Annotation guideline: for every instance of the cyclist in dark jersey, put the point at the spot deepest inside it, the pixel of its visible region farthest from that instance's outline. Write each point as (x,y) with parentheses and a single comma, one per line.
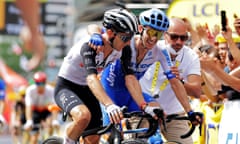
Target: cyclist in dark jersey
(78,89)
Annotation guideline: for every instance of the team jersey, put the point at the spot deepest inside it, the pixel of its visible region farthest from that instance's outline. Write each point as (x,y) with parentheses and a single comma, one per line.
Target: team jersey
(83,60)
(155,83)
(33,98)
(113,75)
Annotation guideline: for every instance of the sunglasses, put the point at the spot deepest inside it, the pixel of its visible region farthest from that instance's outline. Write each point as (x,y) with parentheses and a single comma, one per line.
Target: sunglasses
(125,38)
(40,83)
(175,37)
(152,33)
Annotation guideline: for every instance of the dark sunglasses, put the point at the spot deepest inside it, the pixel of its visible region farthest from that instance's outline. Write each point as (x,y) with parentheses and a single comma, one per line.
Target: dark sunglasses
(125,38)
(40,83)
(175,37)
(151,33)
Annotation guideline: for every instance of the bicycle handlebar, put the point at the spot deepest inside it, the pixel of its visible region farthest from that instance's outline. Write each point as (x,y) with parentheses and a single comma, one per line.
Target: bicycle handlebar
(153,123)
(191,130)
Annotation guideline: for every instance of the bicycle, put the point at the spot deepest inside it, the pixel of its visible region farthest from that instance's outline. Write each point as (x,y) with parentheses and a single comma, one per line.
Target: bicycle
(142,135)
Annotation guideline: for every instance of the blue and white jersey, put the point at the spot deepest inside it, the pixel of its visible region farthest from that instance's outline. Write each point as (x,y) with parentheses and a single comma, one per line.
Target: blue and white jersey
(113,75)
(153,55)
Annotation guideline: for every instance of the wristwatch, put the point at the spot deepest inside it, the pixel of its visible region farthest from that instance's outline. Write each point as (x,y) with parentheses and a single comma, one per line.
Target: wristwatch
(182,81)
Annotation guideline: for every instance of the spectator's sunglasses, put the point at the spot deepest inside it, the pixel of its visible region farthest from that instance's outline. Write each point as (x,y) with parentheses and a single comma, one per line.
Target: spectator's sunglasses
(152,32)
(175,37)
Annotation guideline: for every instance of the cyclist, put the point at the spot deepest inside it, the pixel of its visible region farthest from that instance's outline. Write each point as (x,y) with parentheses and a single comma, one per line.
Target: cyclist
(78,89)
(2,103)
(38,96)
(18,118)
(144,53)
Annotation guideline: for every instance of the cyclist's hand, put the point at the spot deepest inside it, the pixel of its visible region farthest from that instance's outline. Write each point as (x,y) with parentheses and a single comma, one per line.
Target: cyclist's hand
(55,123)
(96,41)
(28,125)
(114,113)
(195,117)
(150,110)
(2,119)
(2,123)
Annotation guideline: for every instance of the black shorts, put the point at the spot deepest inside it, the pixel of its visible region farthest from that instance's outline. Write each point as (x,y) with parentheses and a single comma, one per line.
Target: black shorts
(37,117)
(68,95)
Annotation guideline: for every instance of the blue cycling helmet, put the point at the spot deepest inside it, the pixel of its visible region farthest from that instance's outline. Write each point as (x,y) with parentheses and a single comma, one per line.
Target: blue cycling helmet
(154,18)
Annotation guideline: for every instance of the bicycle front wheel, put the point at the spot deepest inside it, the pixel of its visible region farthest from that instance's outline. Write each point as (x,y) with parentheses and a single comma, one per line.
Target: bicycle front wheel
(53,140)
(134,141)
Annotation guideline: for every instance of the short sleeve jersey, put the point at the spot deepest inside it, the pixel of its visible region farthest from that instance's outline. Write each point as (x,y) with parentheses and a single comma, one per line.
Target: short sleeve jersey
(33,98)
(82,60)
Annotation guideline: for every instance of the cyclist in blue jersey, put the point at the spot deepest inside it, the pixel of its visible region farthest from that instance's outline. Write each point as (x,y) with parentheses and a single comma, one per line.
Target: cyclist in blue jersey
(144,53)
(2,102)
(78,89)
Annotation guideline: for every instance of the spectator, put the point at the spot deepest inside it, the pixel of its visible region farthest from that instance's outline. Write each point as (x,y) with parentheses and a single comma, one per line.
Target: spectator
(229,127)
(186,68)
(18,118)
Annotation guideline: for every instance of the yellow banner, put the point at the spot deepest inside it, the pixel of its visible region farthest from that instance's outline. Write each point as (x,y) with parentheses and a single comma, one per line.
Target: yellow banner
(2,14)
(204,11)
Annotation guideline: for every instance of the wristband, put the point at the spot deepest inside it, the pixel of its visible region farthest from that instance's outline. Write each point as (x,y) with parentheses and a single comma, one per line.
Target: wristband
(143,105)
(169,75)
(190,113)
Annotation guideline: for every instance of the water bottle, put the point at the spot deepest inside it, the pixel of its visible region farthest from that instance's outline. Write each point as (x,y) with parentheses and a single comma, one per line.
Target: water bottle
(156,138)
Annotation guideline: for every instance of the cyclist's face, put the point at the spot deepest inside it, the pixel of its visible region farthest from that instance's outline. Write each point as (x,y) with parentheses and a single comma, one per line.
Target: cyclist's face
(40,87)
(121,40)
(150,36)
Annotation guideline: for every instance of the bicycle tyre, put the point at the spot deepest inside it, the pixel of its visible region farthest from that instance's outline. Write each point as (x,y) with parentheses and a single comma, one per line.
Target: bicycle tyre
(134,141)
(53,140)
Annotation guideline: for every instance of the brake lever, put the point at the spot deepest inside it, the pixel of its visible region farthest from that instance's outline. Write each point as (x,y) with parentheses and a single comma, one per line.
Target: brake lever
(160,115)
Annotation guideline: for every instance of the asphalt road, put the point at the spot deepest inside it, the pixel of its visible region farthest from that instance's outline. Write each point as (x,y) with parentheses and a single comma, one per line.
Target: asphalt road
(5,139)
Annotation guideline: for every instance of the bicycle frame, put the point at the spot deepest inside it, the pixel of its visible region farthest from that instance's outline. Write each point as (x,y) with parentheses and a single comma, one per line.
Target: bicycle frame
(117,131)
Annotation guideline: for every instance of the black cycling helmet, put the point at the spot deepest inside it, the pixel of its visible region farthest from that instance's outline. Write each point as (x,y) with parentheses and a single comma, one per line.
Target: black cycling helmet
(120,20)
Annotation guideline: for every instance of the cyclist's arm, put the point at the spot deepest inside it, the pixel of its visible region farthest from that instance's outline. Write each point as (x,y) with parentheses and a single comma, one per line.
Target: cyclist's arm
(131,81)
(2,103)
(2,95)
(28,105)
(92,78)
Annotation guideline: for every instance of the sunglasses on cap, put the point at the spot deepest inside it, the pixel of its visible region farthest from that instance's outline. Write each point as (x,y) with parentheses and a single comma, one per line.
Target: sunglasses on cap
(125,38)
(152,32)
(175,37)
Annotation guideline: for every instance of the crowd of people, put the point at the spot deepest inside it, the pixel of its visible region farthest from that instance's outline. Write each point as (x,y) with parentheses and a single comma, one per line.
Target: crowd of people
(153,62)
